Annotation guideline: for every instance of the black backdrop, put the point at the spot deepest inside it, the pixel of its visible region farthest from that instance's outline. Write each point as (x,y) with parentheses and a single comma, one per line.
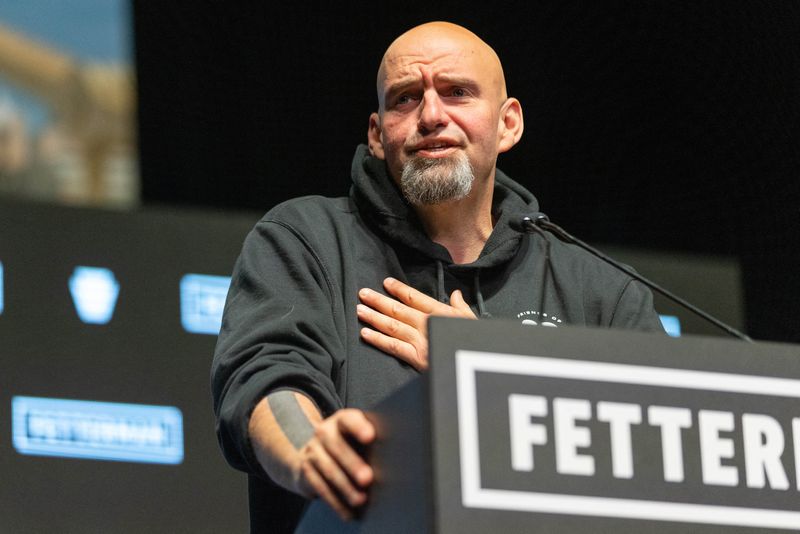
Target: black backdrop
(667,125)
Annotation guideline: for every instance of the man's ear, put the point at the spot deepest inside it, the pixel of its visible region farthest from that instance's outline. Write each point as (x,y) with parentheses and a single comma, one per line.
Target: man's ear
(374,136)
(510,127)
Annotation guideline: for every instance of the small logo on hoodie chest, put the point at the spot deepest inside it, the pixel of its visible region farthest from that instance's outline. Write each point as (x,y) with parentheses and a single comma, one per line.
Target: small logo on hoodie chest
(536,318)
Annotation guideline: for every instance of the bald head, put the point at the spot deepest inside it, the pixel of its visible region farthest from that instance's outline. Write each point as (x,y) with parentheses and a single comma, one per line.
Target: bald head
(436,42)
(442,102)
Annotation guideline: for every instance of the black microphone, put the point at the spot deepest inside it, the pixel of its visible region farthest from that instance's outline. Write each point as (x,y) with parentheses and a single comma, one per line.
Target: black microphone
(528,222)
(538,222)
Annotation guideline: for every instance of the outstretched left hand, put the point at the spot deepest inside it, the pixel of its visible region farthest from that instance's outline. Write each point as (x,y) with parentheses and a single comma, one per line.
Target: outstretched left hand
(401,323)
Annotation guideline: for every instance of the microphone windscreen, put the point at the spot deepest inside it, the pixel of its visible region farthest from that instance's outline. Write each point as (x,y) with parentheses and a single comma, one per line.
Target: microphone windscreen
(524,221)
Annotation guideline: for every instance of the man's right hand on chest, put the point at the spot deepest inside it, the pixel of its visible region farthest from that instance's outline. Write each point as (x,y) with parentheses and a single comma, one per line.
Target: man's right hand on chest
(400,322)
(312,456)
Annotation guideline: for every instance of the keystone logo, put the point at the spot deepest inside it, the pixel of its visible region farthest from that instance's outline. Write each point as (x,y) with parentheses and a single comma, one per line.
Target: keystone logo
(94,292)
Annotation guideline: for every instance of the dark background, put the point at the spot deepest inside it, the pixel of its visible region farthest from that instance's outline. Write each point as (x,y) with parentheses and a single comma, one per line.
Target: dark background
(142,356)
(669,125)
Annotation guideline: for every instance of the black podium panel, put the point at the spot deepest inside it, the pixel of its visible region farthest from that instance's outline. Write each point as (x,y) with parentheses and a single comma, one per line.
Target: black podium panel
(534,429)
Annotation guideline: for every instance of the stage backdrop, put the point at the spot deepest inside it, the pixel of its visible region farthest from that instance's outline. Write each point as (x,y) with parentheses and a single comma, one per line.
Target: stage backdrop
(120,312)
(669,125)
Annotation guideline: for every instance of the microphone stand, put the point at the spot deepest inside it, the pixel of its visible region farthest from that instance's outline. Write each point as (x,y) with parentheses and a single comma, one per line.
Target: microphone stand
(540,221)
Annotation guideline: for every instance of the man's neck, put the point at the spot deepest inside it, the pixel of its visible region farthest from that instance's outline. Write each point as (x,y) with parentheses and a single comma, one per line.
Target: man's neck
(462,226)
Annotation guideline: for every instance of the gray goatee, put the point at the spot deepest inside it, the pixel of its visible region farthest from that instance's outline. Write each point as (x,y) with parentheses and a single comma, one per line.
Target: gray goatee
(428,181)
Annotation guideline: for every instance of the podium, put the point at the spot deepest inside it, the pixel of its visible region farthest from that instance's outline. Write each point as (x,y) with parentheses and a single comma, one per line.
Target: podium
(521,428)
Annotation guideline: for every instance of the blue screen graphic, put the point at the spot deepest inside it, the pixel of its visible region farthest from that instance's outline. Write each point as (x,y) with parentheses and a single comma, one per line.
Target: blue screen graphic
(202,301)
(671,324)
(97,430)
(94,292)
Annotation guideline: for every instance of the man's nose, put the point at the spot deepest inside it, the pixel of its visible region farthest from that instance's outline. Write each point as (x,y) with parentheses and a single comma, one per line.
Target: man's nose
(432,114)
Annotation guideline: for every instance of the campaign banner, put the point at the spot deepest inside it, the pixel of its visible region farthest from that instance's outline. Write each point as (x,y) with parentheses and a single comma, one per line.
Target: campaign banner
(604,439)
(563,430)
(97,430)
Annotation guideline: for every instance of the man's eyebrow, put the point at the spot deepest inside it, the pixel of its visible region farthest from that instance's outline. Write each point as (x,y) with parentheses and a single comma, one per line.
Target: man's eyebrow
(457,80)
(404,85)
(399,87)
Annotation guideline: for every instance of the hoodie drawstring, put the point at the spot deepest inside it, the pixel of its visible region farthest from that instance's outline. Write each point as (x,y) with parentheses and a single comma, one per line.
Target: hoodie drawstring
(479,296)
(441,292)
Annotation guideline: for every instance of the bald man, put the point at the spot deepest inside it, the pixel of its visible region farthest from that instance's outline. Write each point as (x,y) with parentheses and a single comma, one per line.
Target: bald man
(329,299)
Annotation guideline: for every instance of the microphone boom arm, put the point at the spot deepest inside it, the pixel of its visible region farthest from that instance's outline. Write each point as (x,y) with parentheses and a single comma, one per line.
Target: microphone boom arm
(541,221)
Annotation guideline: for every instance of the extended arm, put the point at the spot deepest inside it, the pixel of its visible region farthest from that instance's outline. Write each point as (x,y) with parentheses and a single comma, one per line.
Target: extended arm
(281,331)
(309,455)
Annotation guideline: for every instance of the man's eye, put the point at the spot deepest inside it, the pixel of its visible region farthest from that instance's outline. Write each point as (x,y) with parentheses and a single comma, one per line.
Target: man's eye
(459,91)
(403,99)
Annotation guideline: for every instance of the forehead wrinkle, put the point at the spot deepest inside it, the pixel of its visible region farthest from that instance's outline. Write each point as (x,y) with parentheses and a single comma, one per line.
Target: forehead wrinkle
(403,62)
(420,46)
(406,69)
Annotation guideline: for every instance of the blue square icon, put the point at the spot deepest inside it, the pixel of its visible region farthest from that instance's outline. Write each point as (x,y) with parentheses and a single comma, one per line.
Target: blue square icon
(202,302)
(671,324)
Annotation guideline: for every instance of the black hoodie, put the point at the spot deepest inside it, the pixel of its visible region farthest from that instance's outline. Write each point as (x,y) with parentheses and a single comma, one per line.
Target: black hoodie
(290,318)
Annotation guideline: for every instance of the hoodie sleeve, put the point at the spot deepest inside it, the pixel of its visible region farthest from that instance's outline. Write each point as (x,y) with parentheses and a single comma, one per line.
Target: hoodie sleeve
(279,331)
(634,309)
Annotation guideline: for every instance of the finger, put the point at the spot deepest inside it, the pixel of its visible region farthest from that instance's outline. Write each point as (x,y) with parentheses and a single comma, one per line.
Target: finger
(355,423)
(329,467)
(457,301)
(333,436)
(391,307)
(390,326)
(403,351)
(410,296)
(420,301)
(324,491)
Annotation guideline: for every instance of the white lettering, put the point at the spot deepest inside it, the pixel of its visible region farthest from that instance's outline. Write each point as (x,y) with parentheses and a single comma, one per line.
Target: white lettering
(796,442)
(672,421)
(763,447)
(620,416)
(569,437)
(713,449)
(763,440)
(524,433)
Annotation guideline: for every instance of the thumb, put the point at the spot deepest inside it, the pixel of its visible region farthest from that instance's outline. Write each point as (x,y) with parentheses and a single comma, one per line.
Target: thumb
(457,301)
(355,423)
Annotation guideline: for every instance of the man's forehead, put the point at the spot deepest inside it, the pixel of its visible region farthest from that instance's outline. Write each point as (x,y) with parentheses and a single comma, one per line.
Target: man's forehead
(434,48)
(408,65)
(435,42)
(446,49)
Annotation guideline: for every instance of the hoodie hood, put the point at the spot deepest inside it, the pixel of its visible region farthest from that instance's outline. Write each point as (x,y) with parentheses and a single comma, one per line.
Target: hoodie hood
(380,199)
